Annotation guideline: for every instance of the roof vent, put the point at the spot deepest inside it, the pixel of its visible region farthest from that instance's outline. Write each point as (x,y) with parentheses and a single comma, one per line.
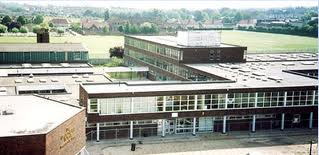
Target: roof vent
(54,80)
(30,80)
(85,76)
(43,80)
(75,76)
(18,81)
(7,112)
(288,63)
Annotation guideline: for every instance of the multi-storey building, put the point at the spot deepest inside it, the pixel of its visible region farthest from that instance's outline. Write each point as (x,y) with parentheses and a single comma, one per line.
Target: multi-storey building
(166,55)
(268,91)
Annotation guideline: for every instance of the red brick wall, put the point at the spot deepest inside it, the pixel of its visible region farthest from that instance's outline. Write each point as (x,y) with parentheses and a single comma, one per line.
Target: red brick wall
(21,145)
(59,141)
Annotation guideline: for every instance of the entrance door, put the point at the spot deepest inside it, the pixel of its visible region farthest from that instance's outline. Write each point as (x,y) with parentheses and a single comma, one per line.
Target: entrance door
(170,126)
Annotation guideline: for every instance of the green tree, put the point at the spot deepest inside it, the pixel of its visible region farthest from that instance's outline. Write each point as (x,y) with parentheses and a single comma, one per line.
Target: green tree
(22,20)
(238,17)
(36,28)
(120,28)
(15,30)
(76,27)
(23,30)
(106,15)
(199,16)
(3,28)
(38,19)
(6,20)
(60,32)
(115,62)
(105,29)
(51,25)
(44,25)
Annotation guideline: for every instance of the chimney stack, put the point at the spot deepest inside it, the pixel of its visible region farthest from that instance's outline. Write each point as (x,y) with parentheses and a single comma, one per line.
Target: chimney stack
(43,36)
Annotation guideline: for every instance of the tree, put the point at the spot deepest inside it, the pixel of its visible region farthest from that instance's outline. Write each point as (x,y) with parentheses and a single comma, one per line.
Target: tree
(36,28)
(22,20)
(115,62)
(76,27)
(60,32)
(15,30)
(116,52)
(199,16)
(106,15)
(51,25)
(105,29)
(238,17)
(38,19)
(3,28)
(44,25)
(14,25)
(120,28)
(6,20)
(23,30)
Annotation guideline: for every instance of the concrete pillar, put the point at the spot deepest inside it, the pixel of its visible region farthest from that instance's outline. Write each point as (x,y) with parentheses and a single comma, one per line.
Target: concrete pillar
(256,99)
(282,127)
(224,124)
(313,97)
(163,127)
(310,120)
(194,126)
(97,132)
(164,103)
(253,127)
(131,130)
(285,99)
(132,105)
(226,101)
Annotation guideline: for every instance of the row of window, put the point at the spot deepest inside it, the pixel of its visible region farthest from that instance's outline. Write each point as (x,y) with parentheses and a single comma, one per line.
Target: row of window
(155,48)
(18,57)
(177,70)
(110,106)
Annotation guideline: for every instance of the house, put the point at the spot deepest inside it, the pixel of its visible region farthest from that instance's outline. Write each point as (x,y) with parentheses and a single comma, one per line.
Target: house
(247,23)
(210,24)
(92,26)
(115,24)
(60,23)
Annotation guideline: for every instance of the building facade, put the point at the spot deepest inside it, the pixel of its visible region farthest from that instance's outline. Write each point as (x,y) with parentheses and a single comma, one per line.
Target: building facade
(166,58)
(43,53)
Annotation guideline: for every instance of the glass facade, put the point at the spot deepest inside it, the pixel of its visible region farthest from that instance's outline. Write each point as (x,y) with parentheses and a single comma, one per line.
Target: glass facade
(169,67)
(169,52)
(38,57)
(127,105)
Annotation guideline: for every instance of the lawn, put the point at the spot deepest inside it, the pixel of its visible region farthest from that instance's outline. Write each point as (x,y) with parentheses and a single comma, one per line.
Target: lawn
(255,41)
(269,42)
(98,45)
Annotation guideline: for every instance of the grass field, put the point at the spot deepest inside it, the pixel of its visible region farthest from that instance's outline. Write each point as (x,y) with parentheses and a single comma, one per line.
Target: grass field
(255,41)
(269,42)
(97,45)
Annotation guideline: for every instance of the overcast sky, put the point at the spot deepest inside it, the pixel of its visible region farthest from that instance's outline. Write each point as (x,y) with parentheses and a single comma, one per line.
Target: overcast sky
(171,4)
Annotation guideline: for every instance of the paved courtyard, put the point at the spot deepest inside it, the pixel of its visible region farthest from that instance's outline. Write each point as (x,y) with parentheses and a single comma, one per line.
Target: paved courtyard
(290,142)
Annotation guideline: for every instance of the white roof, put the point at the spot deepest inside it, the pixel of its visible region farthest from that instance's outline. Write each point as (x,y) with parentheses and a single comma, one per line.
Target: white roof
(32,115)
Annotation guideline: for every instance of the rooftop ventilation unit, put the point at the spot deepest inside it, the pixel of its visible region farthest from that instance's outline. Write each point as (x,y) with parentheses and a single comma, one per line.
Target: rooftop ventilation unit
(308,62)
(288,63)
(25,65)
(30,80)
(54,80)
(258,73)
(7,112)
(65,64)
(85,75)
(46,65)
(75,76)
(245,70)
(78,80)
(199,38)
(89,80)
(42,80)
(18,81)
(276,78)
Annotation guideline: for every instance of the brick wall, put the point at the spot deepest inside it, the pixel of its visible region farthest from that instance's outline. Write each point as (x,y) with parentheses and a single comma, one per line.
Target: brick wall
(20,145)
(68,138)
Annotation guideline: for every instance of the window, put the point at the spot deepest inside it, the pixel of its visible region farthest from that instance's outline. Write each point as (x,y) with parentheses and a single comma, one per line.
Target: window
(93,106)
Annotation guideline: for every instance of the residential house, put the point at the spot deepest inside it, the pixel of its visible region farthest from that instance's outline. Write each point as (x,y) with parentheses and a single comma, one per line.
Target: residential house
(92,26)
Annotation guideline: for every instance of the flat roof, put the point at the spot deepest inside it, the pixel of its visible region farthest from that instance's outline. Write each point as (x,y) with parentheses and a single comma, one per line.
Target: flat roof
(281,57)
(44,65)
(42,47)
(32,115)
(249,75)
(172,41)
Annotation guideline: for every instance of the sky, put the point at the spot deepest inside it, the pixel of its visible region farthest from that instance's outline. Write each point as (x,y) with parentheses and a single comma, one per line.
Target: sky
(172,4)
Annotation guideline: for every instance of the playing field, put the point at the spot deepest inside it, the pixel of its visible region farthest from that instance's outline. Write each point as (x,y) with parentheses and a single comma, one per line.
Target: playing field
(98,45)
(269,42)
(255,41)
